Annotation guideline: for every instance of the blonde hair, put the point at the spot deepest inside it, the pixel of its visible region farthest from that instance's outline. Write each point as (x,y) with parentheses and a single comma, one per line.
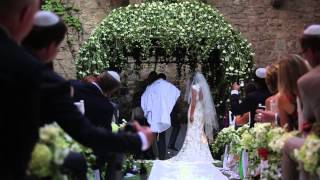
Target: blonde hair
(272,77)
(290,70)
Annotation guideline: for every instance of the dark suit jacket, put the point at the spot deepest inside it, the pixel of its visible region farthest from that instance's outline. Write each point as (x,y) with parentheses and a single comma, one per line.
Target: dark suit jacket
(20,78)
(250,103)
(57,105)
(98,108)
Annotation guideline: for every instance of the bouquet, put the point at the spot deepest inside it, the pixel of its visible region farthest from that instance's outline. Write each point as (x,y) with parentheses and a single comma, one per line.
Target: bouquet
(225,136)
(49,153)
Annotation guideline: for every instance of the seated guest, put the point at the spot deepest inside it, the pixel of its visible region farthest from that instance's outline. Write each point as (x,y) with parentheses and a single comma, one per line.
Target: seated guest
(308,86)
(290,70)
(56,102)
(252,99)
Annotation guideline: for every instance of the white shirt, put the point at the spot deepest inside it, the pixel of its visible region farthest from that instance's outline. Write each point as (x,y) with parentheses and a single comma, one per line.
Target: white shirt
(157,103)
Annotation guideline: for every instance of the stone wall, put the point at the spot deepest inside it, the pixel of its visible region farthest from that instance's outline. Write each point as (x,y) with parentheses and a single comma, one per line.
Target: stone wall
(273,32)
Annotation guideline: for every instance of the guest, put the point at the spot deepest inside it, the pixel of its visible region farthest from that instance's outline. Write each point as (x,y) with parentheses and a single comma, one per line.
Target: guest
(96,95)
(20,109)
(308,86)
(290,70)
(252,99)
(244,118)
(57,105)
(270,114)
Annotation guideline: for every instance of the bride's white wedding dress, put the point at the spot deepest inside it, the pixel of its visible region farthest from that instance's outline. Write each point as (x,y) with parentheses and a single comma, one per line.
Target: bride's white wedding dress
(194,161)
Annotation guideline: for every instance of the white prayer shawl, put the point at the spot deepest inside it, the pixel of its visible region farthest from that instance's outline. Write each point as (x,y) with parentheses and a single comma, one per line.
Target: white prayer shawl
(157,103)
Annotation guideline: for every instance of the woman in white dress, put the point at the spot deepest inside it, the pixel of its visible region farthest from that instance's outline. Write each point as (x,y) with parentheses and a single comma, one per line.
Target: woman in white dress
(194,161)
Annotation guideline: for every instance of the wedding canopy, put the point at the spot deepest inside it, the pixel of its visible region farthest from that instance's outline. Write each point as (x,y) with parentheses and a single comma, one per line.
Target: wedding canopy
(186,33)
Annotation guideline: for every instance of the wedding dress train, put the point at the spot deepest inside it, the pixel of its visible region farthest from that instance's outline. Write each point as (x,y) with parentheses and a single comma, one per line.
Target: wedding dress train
(194,161)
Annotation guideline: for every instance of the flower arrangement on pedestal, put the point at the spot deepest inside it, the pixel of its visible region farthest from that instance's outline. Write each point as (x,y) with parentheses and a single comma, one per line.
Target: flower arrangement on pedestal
(49,153)
(309,154)
(264,145)
(53,147)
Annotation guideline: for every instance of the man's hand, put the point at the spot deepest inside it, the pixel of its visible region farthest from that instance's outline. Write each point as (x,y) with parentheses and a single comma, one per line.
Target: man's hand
(235,86)
(146,131)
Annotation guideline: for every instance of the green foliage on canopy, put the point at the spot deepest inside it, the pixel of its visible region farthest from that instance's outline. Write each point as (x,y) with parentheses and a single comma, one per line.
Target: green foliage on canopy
(190,30)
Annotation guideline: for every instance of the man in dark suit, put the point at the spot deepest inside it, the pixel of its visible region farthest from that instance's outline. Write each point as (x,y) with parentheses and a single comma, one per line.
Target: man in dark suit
(100,110)
(56,104)
(252,99)
(98,107)
(20,79)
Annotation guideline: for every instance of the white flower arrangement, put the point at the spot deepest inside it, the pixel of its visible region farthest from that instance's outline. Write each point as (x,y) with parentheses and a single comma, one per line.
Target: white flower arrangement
(309,154)
(144,29)
(278,137)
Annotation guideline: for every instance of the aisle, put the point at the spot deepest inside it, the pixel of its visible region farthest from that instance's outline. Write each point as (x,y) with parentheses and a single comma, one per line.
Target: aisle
(181,170)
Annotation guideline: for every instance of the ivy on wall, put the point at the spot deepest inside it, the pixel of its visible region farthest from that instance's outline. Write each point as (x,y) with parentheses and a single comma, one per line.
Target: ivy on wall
(65,11)
(70,15)
(191,32)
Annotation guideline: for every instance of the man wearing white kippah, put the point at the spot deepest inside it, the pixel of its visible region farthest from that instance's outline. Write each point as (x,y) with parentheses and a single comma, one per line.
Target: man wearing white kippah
(20,77)
(57,104)
(309,87)
(246,110)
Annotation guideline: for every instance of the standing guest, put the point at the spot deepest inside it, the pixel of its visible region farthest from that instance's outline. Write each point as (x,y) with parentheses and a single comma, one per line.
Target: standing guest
(290,70)
(271,112)
(252,99)
(308,86)
(100,110)
(57,105)
(20,111)
(98,107)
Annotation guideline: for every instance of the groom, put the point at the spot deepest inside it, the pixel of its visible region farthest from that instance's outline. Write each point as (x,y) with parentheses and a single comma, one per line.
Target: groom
(157,103)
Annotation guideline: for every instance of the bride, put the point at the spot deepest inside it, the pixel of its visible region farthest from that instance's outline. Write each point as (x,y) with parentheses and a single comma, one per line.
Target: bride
(194,161)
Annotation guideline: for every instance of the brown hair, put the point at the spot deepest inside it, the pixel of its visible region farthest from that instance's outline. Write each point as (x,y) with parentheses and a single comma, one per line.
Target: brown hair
(107,82)
(290,70)
(272,77)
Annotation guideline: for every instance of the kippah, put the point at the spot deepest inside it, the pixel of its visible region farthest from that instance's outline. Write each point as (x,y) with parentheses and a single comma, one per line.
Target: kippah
(261,72)
(313,30)
(115,75)
(45,18)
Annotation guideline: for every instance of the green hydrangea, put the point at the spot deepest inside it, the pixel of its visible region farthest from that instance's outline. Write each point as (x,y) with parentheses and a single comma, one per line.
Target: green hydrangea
(40,164)
(309,154)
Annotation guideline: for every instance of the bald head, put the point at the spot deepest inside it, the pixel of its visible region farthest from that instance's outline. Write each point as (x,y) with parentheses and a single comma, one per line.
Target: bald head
(17,16)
